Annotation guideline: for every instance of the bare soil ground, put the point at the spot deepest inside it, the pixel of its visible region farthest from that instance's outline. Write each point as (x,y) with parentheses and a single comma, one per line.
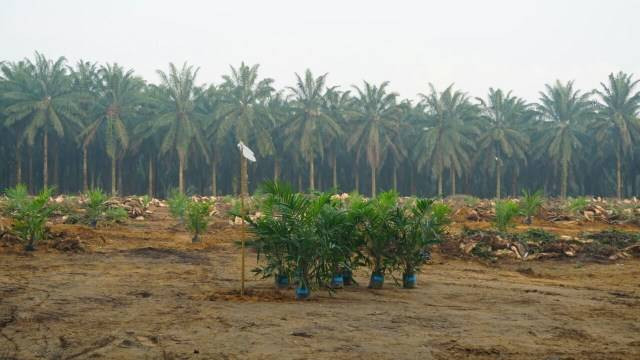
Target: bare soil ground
(144,291)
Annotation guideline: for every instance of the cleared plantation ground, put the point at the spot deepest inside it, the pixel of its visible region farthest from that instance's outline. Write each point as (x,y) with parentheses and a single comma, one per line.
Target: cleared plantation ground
(143,290)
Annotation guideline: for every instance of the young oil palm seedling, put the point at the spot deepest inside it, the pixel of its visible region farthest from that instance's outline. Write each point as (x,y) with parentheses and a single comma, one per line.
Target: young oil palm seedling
(506,211)
(577,205)
(178,205)
(530,205)
(324,244)
(29,215)
(97,209)
(95,206)
(271,247)
(417,227)
(303,254)
(335,232)
(145,200)
(17,197)
(281,235)
(356,210)
(115,214)
(197,218)
(375,235)
(300,237)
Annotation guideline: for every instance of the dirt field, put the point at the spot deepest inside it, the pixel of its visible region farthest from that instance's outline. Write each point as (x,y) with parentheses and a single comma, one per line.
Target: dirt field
(144,291)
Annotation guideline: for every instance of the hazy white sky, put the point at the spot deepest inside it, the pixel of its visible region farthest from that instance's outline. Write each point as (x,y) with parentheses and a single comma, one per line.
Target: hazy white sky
(518,45)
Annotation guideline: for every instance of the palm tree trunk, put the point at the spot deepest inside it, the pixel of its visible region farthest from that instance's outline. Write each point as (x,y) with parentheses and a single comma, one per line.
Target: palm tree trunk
(150,184)
(453,182)
(113,176)
(18,165)
(395,177)
(276,170)
(373,180)
(85,170)
(334,164)
(299,183)
(618,176)
(45,165)
(244,177)
(498,179)
(214,182)
(412,184)
(311,176)
(357,180)
(56,157)
(440,183)
(565,179)
(514,184)
(30,169)
(181,173)
(120,187)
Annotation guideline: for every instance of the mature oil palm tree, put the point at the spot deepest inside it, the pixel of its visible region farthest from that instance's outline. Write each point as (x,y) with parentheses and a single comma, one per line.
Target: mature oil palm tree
(278,111)
(565,112)
(208,102)
(119,97)
(10,143)
(407,113)
(85,82)
(244,116)
(339,107)
(501,140)
(10,73)
(311,127)
(145,146)
(446,141)
(375,125)
(41,101)
(618,123)
(414,122)
(146,149)
(177,119)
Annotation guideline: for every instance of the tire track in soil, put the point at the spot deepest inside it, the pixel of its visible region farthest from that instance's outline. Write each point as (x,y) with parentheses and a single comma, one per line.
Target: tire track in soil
(30,310)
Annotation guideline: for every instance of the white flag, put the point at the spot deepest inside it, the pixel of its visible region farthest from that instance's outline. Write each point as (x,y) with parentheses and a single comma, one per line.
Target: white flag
(246,152)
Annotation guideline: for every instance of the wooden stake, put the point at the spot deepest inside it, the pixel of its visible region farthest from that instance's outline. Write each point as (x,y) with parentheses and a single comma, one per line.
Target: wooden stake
(242,247)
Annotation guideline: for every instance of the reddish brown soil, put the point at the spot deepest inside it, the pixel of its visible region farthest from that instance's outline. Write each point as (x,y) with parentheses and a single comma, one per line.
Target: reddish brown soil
(143,290)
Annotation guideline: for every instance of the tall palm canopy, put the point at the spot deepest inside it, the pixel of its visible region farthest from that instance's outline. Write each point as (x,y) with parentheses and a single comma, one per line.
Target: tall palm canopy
(447,138)
(310,127)
(98,125)
(41,102)
(177,120)
(501,139)
(243,115)
(618,126)
(119,96)
(339,107)
(375,125)
(565,113)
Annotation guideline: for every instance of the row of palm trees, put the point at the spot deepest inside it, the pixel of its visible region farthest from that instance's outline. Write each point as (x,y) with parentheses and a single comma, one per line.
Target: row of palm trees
(94,117)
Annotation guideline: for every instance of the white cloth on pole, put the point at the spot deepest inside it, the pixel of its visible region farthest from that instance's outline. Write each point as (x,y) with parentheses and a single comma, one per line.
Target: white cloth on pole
(246,152)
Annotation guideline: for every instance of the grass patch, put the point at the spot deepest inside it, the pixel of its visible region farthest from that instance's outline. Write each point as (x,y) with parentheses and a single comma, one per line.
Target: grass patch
(614,238)
(537,235)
